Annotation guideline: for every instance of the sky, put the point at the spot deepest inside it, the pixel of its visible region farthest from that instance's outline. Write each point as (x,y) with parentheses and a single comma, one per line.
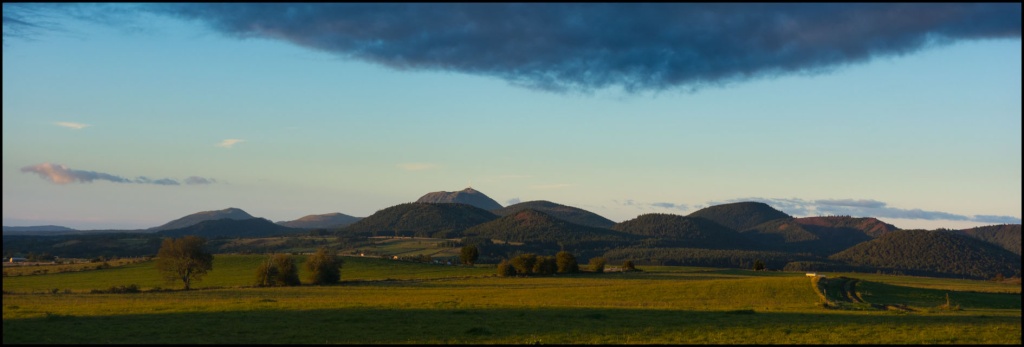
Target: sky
(127,116)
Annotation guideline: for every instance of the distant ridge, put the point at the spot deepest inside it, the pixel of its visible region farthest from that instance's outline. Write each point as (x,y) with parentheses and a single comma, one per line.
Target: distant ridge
(38,228)
(468,196)
(563,212)
(326,221)
(192,219)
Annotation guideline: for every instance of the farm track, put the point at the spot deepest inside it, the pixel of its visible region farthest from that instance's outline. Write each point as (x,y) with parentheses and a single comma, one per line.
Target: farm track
(849,293)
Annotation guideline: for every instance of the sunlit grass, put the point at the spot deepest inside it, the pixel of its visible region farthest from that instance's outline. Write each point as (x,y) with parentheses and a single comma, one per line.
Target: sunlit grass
(384,301)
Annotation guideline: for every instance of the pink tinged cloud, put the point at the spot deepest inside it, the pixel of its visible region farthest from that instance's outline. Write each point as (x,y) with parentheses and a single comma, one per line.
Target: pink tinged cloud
(60,174)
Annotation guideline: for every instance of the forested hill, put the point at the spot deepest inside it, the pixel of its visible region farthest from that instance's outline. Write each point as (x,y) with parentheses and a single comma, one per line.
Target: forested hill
(925,252)
(326,221)
(421,219)
(530,226)
(1005,235)
(790,235)
(252,227)
(740,216)
(679,231)
(563,212)
(869,226)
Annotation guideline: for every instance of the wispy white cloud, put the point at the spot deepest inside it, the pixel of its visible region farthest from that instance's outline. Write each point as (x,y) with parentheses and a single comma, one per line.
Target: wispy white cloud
(229,143)
(512,201)
(72,125)
(60,174)
(417,166)
(653,205)
(199,180)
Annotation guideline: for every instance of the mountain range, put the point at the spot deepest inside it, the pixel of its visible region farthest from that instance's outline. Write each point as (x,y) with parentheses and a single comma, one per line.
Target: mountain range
(721,235)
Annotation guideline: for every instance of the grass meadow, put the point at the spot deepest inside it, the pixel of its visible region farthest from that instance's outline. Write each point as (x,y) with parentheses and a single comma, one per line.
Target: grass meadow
(391,302)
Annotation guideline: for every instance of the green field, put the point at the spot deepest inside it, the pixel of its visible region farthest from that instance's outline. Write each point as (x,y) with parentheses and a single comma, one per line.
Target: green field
(384,301)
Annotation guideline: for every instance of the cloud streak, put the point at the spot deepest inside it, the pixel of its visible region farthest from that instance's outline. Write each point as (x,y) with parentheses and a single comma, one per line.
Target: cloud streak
(585,47)
(72,125)
(60,174)
(229,143)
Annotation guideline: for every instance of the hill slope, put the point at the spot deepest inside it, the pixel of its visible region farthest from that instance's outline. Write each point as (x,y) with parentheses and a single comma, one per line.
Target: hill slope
(326,221)
(252,227)
(1006,235)
(563,212)
(531,226)
(192,219)
(468,196)
(869,226)
(740,216)
(790,235)
(421,219)
(933,253)
(681,231)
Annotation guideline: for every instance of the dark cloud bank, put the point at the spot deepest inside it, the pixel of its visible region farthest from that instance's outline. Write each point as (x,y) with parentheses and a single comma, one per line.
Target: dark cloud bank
(584,47)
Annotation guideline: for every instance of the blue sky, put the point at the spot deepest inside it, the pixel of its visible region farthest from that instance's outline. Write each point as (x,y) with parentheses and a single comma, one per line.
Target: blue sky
(128,116)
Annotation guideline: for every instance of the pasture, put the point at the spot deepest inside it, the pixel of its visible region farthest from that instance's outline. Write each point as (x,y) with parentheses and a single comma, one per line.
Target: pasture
(383,301)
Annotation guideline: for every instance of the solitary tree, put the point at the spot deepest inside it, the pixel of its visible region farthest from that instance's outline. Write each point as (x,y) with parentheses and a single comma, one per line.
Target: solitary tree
(184,259)
(469,255)
(758,265)
(597,264)
(324,267)
(566,262)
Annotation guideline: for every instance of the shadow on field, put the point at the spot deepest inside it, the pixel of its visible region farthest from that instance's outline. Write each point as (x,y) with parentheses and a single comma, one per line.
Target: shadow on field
(481,325)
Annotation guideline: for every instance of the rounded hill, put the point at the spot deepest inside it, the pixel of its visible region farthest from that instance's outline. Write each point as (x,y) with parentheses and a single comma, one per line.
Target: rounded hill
(934,252)
(563,212)
(192,219)
(329,220)
(531,226)
(683,231)
(421,219)
(252,227)
(468,196)
(740,216)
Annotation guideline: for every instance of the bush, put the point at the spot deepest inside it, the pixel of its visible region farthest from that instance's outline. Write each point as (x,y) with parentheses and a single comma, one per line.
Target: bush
(523,263)
(628,266)
(545,266)
(278,270)
(505,269)
(122,289)
(324,267)
(597,264)
(566,262)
